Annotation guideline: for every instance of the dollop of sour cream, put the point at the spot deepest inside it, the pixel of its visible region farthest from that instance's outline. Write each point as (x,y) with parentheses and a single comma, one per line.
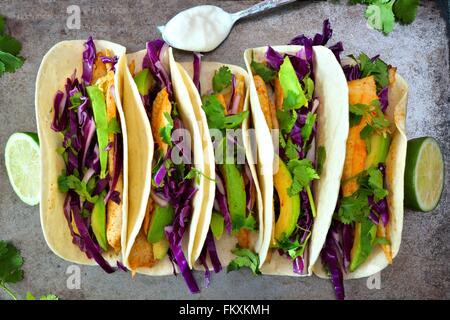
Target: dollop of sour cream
(201,28)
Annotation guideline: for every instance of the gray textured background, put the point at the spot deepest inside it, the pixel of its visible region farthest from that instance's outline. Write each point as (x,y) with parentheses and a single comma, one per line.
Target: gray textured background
(420,51)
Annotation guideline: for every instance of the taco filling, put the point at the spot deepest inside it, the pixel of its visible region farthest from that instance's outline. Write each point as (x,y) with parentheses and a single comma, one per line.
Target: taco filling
(169,208)
(361,220)
(235,196)
(285,88)
(85,114)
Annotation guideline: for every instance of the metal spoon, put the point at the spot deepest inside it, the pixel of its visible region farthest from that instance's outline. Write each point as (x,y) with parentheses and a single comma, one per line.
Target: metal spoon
(198,33)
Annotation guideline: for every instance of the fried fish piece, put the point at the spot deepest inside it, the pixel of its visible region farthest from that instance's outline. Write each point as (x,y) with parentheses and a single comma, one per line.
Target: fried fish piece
(279,95)
(243,237)
(263,99)
(240,90)
(99,68)
(161,105)
(141,255)
(113,210)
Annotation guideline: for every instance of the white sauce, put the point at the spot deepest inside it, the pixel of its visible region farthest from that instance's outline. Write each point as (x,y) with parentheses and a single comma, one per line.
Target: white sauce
(201,28)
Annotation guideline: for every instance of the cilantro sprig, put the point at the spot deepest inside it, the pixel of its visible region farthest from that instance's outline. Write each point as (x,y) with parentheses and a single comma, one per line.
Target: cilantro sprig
(222,79)
(11,263)
(356,208)
(215,114)
(382,14)
(10,49)
(245,258)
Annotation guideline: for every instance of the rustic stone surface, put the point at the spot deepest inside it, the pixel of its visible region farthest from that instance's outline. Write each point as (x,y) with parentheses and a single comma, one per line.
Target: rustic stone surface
(420,51)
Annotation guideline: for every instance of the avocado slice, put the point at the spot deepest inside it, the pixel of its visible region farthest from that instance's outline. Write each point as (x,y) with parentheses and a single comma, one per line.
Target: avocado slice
(98,103)
(144,81)
(98,223)
(378,148)
(236,196)
(289,206)
(162,217)
(365,234)
(160,249)
(217,224)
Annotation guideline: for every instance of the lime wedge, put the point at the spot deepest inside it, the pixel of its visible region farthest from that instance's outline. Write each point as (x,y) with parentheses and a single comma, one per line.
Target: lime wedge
(22,159)
(424,174)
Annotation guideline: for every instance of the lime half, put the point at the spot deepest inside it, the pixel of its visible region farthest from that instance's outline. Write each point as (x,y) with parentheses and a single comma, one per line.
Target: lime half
(424,174)
(22,159)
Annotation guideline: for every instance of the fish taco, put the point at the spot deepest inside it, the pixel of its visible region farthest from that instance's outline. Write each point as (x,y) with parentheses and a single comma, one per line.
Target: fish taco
(171,178)
(298,97)
(232,234)
(83,143)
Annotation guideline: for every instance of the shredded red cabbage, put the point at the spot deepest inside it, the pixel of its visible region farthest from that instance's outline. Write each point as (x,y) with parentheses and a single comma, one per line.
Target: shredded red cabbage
(117,167)
(88,60)
(329,255)
(383,96)
(197,68)
(178,256)
(320,40)
(352,72)
(91,248)
(221,200)
(121,266)
(112,60)
(59,122)
(152,61)
(209,248)
(274,59)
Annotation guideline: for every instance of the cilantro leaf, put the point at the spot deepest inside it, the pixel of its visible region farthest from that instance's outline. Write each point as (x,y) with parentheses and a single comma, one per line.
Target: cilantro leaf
(10,264)
(245,258)
(405,10)
(216,117)
(195,173)
(291,150)
(10,45)
(308,126)
(358,109)
(380,16)
(309,87)
(66,183)
(286,120)
(377,68)
(9,50)
(11,62)
(375,182)
(321,157)
(366,132)
(303,173)
(222,79)
(239,222)
(266,73)
(293,248)
(354,208)
(166,132)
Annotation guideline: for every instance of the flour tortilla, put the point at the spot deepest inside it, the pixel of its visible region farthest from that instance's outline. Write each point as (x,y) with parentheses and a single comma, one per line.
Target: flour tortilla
(139,197)
(332,130)
(395,169)
(57,65)
(227,242)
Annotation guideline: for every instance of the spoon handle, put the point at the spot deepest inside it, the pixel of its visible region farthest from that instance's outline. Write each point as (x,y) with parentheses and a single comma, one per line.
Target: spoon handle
(260,7)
